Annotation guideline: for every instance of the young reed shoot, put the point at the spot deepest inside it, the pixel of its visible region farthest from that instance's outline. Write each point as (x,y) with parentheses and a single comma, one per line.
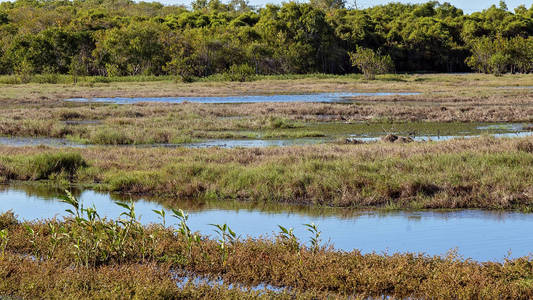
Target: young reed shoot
(315,239)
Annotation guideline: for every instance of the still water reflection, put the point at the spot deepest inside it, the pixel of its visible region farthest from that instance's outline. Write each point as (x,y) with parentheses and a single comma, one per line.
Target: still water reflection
(480,235)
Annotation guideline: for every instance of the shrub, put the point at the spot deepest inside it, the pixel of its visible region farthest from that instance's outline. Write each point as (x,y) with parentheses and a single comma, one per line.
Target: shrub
(24,71)
(52,78)
(7,220)
(498,63)
(240,73)
(371,63)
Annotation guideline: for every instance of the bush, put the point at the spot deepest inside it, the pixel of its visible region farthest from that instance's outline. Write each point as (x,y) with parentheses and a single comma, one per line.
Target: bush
(24,71)
(239,73)
(98,79)
(52,78)
(499,63)
(371,63)
(47,164)
(7,220)
(9,79)
(185,78)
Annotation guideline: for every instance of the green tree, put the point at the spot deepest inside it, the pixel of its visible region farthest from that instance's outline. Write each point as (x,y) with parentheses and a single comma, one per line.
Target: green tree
(134,49)
(78,67)
(499,63)
(370,62)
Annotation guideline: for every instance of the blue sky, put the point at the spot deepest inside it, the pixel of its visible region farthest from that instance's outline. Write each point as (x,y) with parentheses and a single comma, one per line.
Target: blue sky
(467,5)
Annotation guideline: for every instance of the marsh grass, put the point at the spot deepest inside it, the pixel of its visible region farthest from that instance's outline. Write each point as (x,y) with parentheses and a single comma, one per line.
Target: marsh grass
(165,123)
(475,173)
(38,110)
(44,165)
(53,166)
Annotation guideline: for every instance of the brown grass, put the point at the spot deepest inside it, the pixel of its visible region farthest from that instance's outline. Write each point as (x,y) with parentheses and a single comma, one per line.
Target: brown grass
(37,110)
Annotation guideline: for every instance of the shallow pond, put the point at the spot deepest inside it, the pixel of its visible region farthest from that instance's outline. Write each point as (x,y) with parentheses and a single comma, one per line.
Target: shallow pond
(422,131)
(23,141)
(321,97)
(480,235)
(256,143)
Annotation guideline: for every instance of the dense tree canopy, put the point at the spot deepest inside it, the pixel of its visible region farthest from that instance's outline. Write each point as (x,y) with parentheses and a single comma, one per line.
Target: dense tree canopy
(121,37)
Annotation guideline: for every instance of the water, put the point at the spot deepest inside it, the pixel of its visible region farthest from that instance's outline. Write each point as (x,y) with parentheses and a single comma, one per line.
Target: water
(256,143)
(248,143)
(321,97)
(30,141)
(222,143)
(480,235)
(438,138)
(183,280)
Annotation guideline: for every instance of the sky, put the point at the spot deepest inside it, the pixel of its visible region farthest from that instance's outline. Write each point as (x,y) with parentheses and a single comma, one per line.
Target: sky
(468,6)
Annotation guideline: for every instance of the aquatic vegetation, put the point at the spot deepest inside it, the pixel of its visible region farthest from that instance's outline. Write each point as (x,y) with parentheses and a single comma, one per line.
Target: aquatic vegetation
(184,230)
(95,241)
(110,137)
(64,165)
(161,213)
(315,238)
(57,233)
(227,238)
(288,238)
(4,238)
(303,271)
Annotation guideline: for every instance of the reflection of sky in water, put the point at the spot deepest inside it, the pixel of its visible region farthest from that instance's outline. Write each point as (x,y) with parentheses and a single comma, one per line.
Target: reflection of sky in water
(29,141)
(480,235)
(322,97)
(510,130)
(257,143)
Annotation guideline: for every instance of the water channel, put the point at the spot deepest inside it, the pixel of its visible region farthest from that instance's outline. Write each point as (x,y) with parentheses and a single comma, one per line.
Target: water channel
(476,234)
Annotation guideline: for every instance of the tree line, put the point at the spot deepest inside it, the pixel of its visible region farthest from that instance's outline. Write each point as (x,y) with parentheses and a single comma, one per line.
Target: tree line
(122,37)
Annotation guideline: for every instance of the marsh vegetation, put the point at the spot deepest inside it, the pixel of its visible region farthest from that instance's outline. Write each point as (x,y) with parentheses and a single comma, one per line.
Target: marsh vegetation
(372,155)
(171,259)
(83,250)
(474,173)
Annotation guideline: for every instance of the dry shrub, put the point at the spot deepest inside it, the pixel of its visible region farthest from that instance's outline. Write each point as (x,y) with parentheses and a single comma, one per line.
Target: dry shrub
(7,220)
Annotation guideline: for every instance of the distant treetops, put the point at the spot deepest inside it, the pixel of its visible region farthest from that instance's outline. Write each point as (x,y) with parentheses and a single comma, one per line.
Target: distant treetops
(120,37)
